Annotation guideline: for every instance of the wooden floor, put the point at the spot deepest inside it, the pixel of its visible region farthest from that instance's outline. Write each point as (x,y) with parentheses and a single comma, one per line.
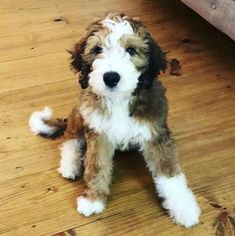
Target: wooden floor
(34,72)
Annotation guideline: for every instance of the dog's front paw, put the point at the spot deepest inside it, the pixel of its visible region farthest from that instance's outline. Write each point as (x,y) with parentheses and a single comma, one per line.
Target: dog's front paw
(179,200)
(186,214)
(89,207)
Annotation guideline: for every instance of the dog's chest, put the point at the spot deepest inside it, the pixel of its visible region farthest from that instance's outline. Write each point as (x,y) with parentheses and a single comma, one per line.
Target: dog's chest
(120,128)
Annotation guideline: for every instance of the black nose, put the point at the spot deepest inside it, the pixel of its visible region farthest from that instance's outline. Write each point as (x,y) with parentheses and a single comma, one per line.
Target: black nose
(111,79)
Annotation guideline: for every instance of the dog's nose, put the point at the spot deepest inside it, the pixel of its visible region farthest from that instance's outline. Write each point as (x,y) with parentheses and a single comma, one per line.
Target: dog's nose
(111,79)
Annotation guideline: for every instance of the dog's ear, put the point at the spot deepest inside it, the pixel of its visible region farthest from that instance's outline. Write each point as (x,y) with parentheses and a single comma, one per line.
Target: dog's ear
(157,58)
(76,55)
(78,64)
(157,63)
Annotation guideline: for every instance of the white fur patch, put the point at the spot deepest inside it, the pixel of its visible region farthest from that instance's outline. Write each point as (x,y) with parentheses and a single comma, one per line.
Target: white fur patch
(178,200)
(37,121)
(87,207)
(70,164)
(117,125)
(118,29)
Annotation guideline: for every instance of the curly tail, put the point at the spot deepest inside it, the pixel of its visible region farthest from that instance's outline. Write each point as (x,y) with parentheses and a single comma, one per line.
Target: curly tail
(41,124)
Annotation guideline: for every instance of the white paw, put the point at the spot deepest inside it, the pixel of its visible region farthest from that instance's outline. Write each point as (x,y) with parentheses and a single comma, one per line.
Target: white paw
(68,173)
(178,200)
(87,207)
(182,212)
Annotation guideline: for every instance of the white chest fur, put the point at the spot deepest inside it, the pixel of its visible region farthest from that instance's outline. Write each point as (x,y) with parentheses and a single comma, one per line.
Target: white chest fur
(120,128)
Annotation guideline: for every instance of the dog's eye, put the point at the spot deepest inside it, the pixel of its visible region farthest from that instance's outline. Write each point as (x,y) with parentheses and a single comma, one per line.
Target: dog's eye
(98,50)
(131,51)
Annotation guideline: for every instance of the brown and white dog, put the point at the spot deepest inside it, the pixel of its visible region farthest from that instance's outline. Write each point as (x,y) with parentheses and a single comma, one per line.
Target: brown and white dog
(121,104)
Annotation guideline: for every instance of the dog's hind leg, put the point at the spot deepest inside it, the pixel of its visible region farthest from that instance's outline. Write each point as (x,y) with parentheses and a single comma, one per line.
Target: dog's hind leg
(73,147)
(170,182)
(71,158)
(97,175)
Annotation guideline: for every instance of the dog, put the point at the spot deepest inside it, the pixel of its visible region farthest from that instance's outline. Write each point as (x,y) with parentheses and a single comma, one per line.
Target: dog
(121,104)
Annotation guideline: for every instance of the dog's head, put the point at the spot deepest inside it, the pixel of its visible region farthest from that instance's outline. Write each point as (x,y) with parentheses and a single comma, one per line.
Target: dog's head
(117,56)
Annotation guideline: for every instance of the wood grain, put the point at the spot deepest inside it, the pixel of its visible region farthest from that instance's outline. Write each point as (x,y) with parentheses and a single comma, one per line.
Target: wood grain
(34,72)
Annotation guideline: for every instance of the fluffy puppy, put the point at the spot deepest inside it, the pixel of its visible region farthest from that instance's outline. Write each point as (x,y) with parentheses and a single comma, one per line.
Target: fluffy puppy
(121,103)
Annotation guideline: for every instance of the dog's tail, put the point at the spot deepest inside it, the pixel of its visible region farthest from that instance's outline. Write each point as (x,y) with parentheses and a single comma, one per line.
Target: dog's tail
(41,124)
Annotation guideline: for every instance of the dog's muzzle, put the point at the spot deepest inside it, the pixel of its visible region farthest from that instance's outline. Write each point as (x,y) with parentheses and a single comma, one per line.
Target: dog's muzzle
(111,79)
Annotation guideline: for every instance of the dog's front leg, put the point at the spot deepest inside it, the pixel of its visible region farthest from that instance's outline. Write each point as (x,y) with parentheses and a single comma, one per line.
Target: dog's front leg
(170,182)
(97,175)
